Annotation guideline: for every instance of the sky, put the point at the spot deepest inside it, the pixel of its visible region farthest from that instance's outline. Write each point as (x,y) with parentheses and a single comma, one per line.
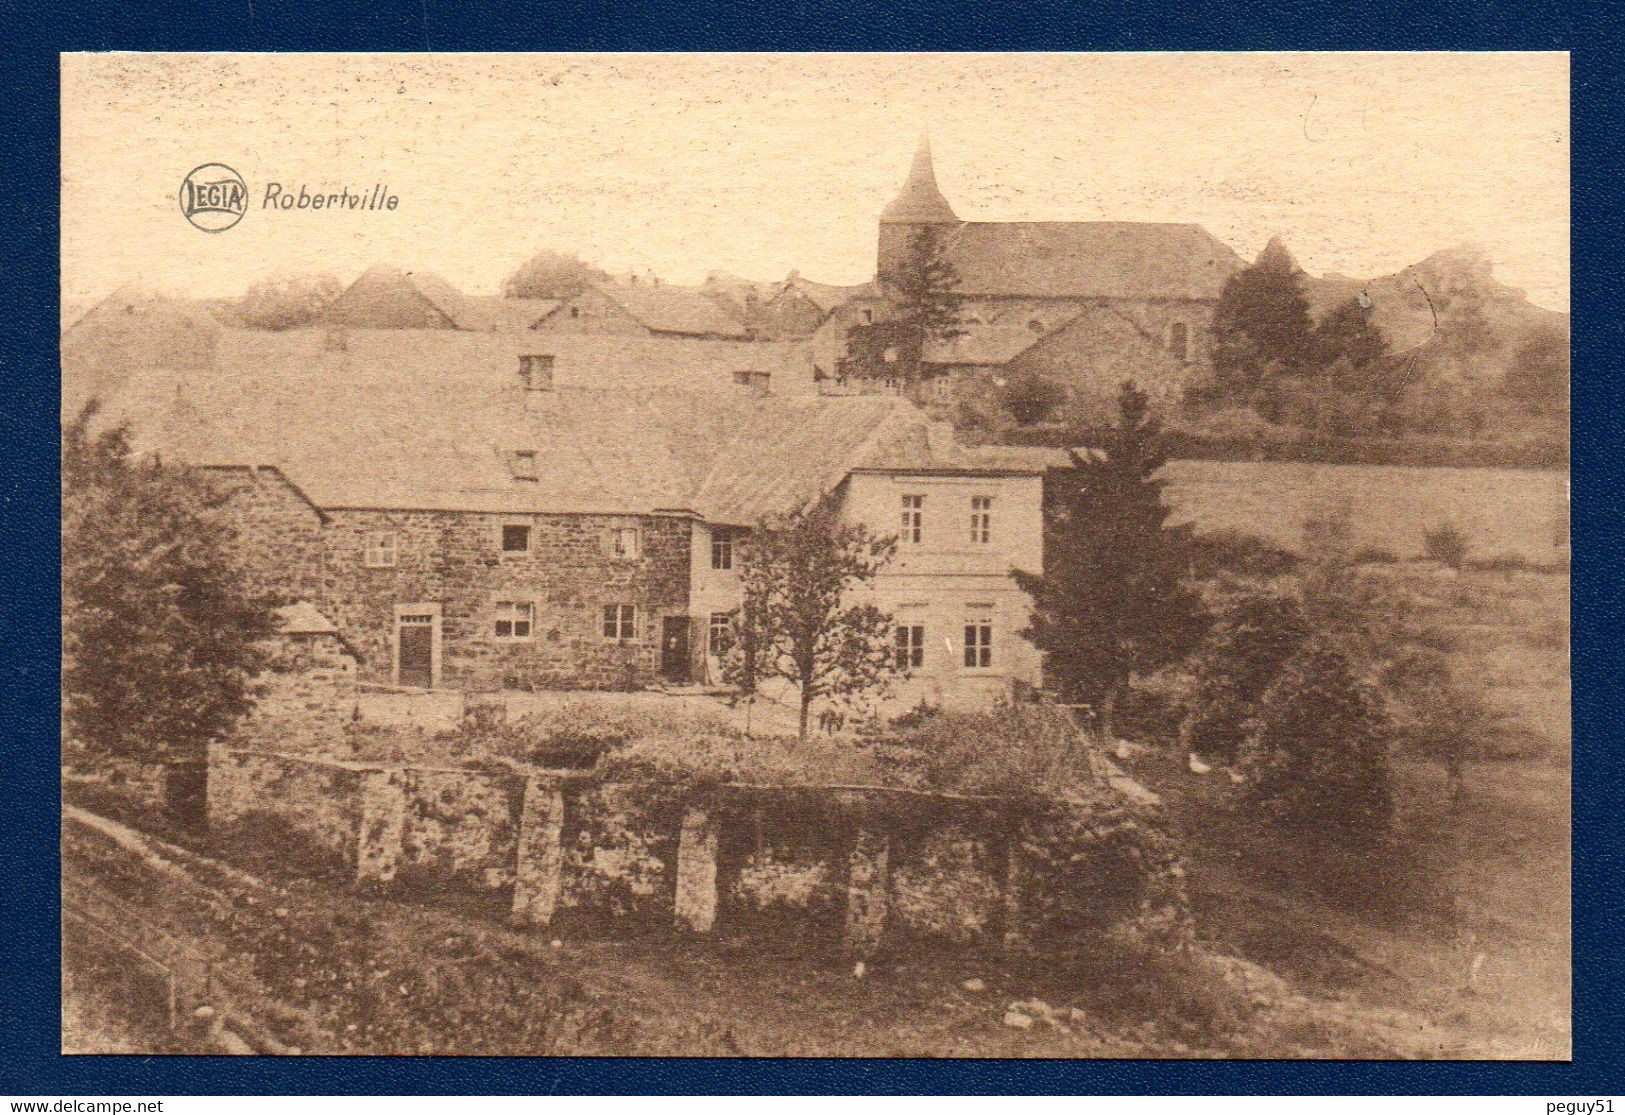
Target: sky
(757,164)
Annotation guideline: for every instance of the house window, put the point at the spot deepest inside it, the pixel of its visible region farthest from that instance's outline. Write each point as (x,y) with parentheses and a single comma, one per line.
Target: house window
(624,542)
(380,550)
(718,632)
(1179,340)
(868,317)
(910,647)
(515,538)
(536,372)
(575,311)
(913,522)
(514,619)
(522,463)
(620,621)
(981,520)
(978,645)
(722,550)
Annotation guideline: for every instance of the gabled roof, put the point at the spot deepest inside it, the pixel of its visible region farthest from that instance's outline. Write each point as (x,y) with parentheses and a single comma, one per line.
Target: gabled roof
(1095,259)
(493,313)
(383,434)
(826,296)
(996,331)
(672,309)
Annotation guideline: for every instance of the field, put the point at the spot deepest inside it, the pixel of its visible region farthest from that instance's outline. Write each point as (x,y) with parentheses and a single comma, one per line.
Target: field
(1504,513)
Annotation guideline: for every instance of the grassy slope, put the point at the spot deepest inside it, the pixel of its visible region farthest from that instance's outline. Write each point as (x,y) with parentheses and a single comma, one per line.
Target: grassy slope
(1493,879)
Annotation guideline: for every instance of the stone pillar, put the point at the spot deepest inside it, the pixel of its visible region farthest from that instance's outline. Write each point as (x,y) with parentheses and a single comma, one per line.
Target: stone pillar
(539,869)
(867,883)
(1014,936)
(383,825)
(696,906)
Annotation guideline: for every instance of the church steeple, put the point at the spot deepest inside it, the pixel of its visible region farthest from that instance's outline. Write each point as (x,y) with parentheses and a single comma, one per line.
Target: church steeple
(920,202)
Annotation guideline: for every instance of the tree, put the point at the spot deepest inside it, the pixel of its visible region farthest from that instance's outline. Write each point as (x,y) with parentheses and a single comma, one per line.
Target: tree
(796,622)
(1237,663)
(1030,397)
(1112,600)
(551,275)
(1261,329)
(287,301)
(1316,759)
(1539,376)
(160,641)
(920,307)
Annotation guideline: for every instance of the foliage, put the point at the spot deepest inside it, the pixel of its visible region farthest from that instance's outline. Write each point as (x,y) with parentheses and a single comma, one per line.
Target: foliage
(1238,553)
(1539,375)
(921,307)
(1236,664)
(1348,336)
(1446,543)
(1012,749)
(796,623)
(1091,868)
(160,640)
(1261,329)
(1316,759)
(287,301)
(1030,397)
(1113,599)
(551,275)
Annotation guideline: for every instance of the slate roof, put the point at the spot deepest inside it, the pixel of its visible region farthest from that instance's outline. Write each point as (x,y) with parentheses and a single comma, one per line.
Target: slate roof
(826,296)
(919,201)
(997,331)
(1089,259)
(377,426)
(673,309)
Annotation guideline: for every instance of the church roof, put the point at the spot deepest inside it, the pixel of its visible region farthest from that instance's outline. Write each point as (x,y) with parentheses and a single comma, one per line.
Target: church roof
(919,201)
(1093,259)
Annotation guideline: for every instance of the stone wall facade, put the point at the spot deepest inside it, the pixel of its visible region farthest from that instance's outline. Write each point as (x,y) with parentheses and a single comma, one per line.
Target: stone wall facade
(455,560)
(866,866)
(310,690)
(279,533)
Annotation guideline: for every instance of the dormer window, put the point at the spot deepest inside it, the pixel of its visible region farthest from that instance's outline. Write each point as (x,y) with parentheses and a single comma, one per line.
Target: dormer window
(522,464)
(536,372)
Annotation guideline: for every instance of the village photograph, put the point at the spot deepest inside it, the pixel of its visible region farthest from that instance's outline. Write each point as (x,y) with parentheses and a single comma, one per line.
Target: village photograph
(886,555)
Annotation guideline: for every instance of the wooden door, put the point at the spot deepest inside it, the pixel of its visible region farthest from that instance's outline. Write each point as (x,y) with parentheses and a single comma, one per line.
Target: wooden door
(674,653)
(416,635)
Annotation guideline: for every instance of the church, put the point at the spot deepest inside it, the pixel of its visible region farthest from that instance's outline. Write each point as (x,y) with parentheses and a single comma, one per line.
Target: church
(1083,304)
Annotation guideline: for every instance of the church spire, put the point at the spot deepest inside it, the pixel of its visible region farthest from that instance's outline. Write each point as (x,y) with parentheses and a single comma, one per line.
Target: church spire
(920,202)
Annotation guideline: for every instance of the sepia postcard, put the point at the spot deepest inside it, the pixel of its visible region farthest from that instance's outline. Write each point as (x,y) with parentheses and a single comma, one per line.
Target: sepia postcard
(816,555)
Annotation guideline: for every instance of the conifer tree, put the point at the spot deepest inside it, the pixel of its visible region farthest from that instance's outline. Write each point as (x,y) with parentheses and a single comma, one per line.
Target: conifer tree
(920,307)
(1261,329)
(1112,600)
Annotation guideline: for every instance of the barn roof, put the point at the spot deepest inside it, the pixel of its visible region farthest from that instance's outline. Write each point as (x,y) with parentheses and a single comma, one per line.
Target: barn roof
(378,426)
(1093,259)
(673,309)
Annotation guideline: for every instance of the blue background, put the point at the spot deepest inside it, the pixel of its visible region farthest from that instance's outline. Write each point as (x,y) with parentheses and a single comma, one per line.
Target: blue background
(29,1023)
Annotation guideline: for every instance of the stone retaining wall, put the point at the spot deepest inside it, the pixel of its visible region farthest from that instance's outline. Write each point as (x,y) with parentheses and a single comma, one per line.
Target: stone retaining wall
(861,864)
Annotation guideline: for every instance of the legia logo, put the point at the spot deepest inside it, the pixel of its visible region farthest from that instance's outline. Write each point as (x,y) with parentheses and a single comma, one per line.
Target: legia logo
(214,197)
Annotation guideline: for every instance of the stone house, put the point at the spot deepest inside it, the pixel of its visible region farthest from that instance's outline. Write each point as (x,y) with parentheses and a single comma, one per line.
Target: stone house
(469,524)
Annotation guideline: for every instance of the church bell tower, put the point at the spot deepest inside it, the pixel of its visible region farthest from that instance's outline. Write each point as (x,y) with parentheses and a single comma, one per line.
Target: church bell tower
(918,205)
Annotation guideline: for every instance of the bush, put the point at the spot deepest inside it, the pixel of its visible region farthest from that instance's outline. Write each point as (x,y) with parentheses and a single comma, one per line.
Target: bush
(1238,553)
(1088,868)
(1030,397)
(1235,666)
(1027,749)
(1316,758)
(1446,543)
